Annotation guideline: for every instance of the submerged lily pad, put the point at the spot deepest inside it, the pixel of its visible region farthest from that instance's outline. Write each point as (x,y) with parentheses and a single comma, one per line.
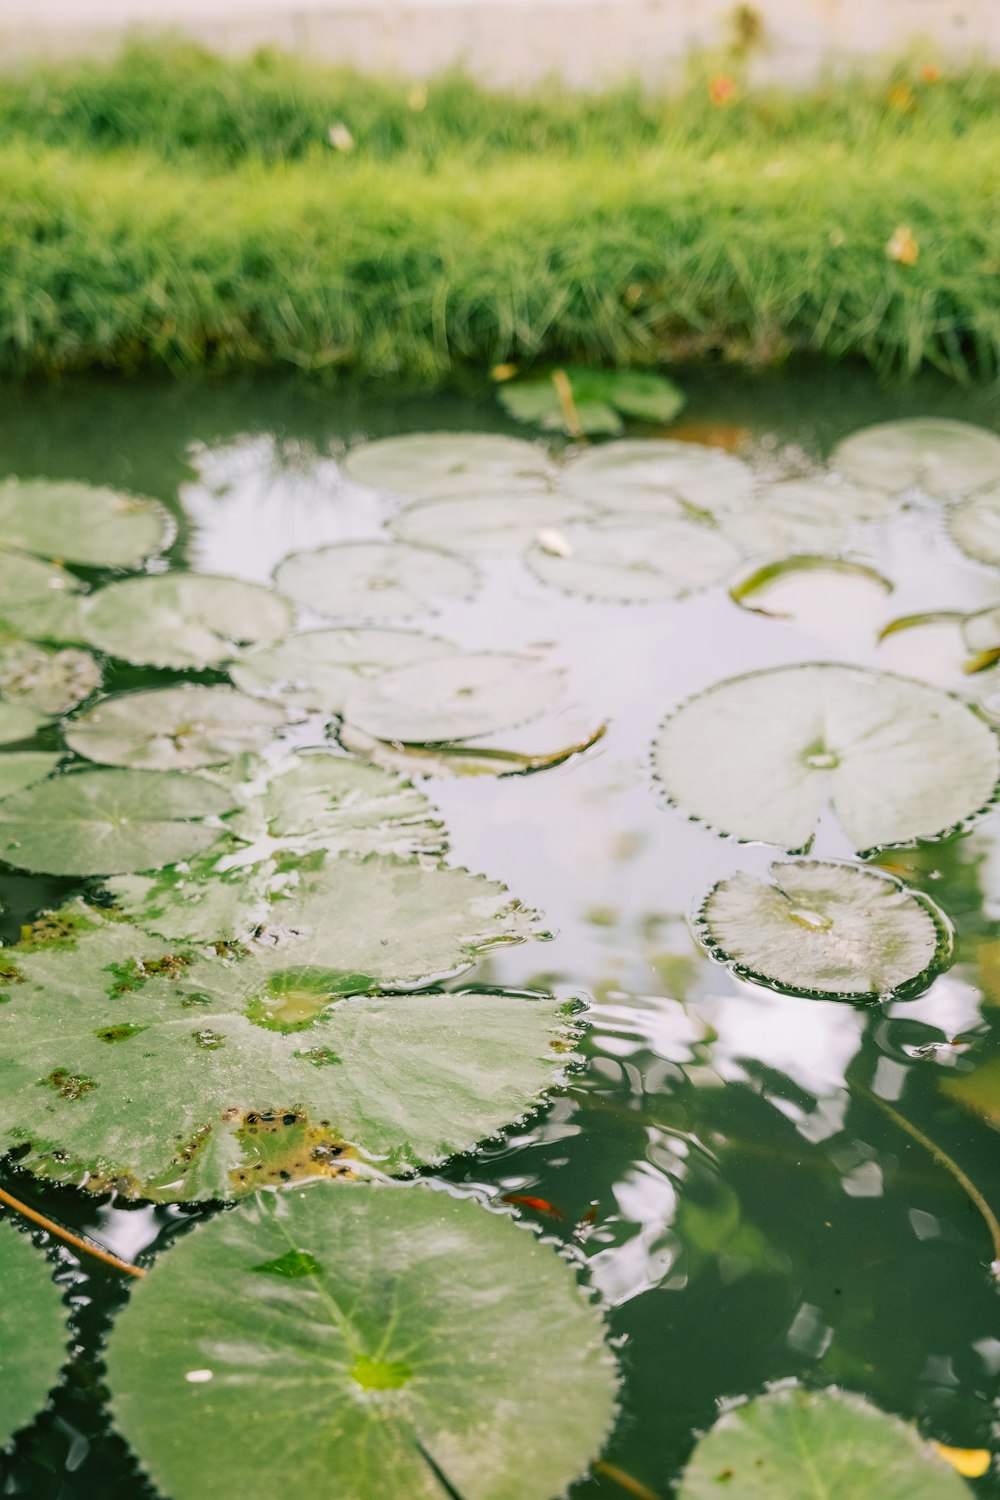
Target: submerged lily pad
(435,464)
(803,1445)
(109,822)
(635,559)
(180,1073)
(803,515)
(174,729)
(760,757)
(318,669)
(417,1335)
(454,698)
(51,681)
(19,769)
(826,928)
(658,476)
(374,580)
(184,619)
(39,600)
(941,457)
(33,1332)
(487,526)
(81,523)
(974,527)
(18,722)
(578,399)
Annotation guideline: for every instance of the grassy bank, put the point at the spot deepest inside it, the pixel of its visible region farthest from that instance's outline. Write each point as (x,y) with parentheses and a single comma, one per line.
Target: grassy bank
(178,211)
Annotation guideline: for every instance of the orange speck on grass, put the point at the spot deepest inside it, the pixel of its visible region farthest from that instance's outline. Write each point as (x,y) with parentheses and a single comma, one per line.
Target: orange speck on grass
(721,89)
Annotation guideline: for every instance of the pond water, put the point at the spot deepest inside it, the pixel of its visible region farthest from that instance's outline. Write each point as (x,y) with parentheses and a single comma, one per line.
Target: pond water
(722,1165)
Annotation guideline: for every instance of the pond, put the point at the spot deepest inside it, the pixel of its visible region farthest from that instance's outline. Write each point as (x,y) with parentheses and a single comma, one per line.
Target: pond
(759,1183)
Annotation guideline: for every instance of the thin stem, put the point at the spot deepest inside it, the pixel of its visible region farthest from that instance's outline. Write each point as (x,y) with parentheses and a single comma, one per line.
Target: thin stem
(75,1240)
(570,415)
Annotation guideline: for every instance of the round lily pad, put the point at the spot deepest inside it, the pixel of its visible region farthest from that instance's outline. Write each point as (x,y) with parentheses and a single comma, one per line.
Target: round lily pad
(435,464)
(318,669)
(178,1072)
(374,580)
(805,1445)
(50,681)
(659,476)
(974,527)
(174,729)
(18,722)
(37,599)
(803,515)
(828,929)
(419,1338)
(483,526)
(760,757)
(184,619)
(940,457)
(635,559)
(109,822)
(454,698)
(82,523)
(33,1332)
(19,769)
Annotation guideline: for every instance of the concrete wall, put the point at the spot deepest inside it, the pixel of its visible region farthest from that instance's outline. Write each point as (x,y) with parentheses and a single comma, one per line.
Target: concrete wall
(517,41)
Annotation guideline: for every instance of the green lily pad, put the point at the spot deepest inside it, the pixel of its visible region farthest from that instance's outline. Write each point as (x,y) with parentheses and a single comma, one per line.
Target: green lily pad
(37,599)
(488,526)
(827,929)
(974,527)
(18,722)
(19,769)
(318,669)
(82,523)
(177,1072)
(454,698)
(760,757)
(374,580)
(417,1335)
(184,619)
(940,457)
(50,681)
(807,1445)
(33,1332)
(175,729)
(803,515)
(109,822)
(599,399)
(434,464)
(635,559)
(658,476)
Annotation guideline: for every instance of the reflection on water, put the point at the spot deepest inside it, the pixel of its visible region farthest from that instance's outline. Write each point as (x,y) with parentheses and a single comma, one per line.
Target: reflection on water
(725,1162)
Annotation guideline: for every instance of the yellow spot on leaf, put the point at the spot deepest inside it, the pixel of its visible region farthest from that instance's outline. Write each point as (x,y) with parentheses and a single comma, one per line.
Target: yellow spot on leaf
(971,1463)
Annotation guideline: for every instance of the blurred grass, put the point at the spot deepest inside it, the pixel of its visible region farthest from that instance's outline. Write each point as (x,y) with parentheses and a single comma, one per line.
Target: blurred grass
(173,209)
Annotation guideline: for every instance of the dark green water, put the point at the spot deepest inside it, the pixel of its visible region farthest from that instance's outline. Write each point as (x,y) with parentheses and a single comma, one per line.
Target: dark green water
(745,1210)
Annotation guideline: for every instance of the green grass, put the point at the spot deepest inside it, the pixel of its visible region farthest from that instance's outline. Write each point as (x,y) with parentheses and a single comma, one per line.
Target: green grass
(175,210)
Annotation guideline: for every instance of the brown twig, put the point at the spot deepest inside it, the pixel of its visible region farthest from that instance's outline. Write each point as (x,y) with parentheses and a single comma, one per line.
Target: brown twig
(570,415)
(75,1240)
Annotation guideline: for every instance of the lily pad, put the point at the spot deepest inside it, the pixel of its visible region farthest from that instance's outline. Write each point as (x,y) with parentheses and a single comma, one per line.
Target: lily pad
(33,1332)
(81,523)
(635,559)
(576,399)
(454,698)
(760,757)
(174,729)
(805,1445)
(460,759)
(940,457)
(658,476)
(974,527)
(18,722)
(318,669)
(50,681)
(37,599)
(435,464)
(804,515)
(374,580)
(828,929)
(417,1335)
(181,1073)
(20,769)
(490,526)
(109,822)
(184,619)
(834,597)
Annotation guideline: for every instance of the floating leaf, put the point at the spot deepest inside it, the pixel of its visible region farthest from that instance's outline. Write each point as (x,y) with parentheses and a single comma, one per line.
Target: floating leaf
(577,399)
(374,580)
(800,1445)
(177,1073)
(461,759)
(318,668)
(659,476)
(981,631)
(760,757)
(434,1338)
(37,599)
(828,929)
(941,457)
(832,596)
(184,619)
(33,1332)
(435,464)
(81,523)
(454,698)
(18,722)
(51,681)
(974,527)
(23,768)
(635,559)
(174,729)
(109,822)
(491,526)
(803,515)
